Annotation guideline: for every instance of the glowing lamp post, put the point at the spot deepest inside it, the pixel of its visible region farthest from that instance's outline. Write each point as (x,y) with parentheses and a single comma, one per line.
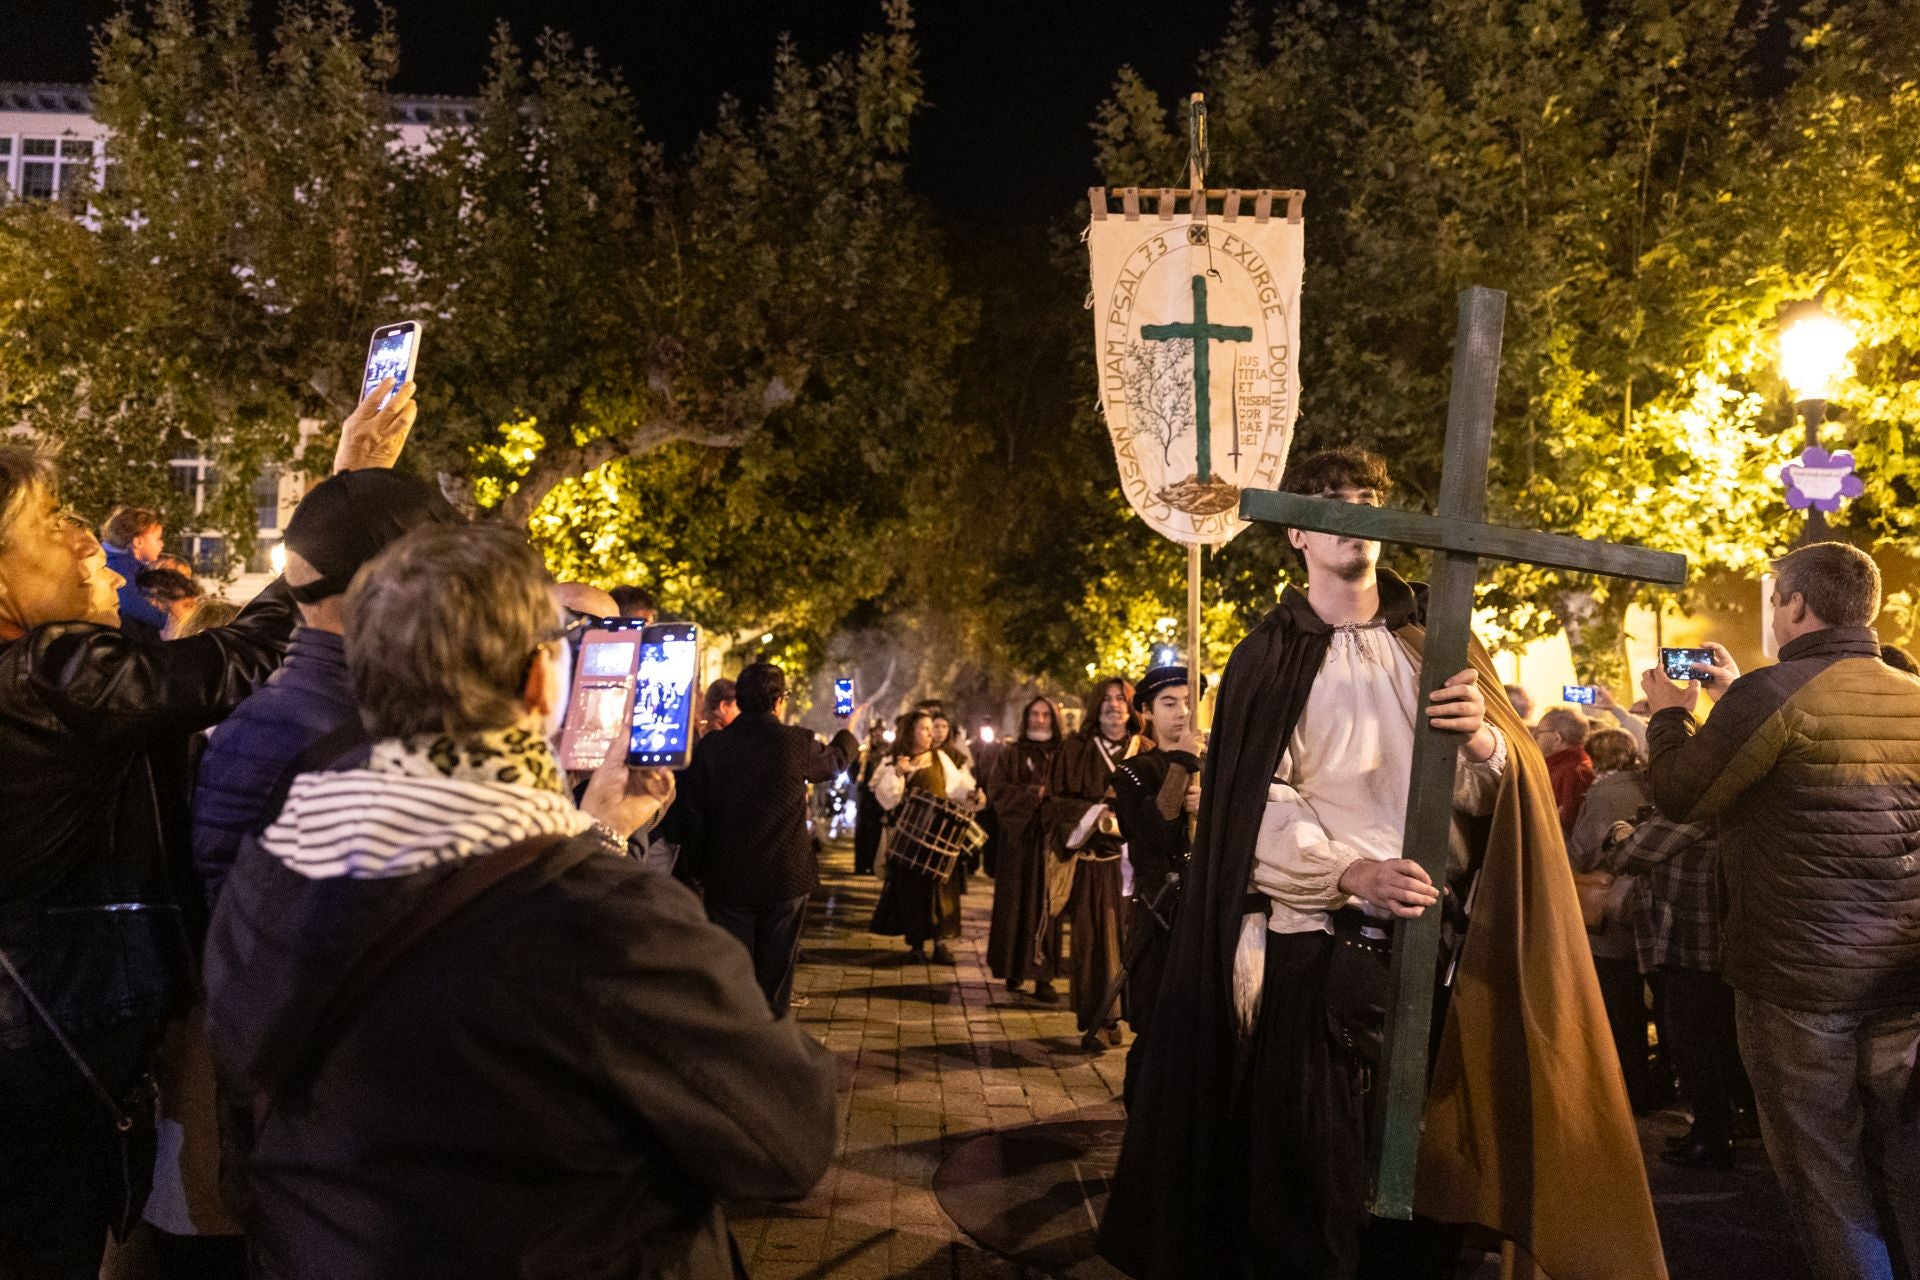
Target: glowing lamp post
(1813,358)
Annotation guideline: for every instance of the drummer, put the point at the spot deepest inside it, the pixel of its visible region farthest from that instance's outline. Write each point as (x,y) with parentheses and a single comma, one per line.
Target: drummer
(914,905)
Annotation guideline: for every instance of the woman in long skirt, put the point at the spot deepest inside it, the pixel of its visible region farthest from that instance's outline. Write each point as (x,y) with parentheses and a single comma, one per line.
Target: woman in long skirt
(913,905)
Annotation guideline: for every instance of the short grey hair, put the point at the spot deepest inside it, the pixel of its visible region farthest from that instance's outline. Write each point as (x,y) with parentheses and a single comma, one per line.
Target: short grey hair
(1840,583)
(442,627)
(1570,725)
(24,471)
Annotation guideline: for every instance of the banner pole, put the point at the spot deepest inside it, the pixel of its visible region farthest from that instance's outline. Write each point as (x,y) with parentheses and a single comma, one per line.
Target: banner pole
(1194,652)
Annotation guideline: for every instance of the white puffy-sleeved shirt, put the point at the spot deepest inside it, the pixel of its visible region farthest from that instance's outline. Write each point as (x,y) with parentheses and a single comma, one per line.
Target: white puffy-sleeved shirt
(1341,790)
(890,784)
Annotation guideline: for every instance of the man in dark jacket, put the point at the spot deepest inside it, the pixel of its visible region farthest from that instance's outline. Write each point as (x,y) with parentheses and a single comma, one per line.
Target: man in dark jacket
(746,796)
(304,718)
(561,1079)
(1811,768)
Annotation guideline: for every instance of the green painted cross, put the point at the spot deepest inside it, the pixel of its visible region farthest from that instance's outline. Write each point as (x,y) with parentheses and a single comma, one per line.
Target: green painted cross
(1457,536)
(1203,335)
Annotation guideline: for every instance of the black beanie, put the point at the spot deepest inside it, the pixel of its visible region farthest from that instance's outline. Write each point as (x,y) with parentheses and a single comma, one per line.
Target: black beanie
(347,519)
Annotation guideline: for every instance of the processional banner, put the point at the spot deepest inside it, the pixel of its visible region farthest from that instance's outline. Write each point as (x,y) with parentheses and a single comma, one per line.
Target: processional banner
(1197,332)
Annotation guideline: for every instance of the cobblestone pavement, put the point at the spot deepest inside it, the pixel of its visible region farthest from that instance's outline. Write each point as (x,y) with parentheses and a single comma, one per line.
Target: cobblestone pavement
(930,1056)
(933,1056)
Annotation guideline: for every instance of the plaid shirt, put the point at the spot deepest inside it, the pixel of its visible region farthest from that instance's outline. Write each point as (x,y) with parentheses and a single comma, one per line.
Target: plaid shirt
(1674,905)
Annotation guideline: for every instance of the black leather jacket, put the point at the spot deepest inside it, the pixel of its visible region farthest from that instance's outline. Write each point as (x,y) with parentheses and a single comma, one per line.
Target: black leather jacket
(95,908)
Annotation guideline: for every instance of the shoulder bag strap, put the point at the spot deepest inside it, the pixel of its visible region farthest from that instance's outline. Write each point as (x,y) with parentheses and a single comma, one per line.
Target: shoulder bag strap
(442,903)
(121,1120)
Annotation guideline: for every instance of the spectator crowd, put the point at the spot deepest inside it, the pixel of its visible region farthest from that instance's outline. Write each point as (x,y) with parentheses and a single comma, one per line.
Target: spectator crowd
(315,961)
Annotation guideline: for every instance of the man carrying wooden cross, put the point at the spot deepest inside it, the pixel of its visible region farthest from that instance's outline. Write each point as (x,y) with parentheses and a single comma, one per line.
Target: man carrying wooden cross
(1247,1151)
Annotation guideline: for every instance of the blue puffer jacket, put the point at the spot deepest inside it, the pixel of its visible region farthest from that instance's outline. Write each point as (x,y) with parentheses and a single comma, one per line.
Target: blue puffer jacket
(248,756)
(137,613)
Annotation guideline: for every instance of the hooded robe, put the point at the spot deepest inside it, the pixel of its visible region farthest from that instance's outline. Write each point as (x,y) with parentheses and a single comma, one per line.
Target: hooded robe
(1023,943)
(1527,1128)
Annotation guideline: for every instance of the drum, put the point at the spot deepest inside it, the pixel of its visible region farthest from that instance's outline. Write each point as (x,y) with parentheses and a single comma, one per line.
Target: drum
(933,834)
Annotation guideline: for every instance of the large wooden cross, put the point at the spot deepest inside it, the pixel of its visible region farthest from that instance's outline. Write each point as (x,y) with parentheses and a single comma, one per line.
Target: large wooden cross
(1459,539)
(1204,335)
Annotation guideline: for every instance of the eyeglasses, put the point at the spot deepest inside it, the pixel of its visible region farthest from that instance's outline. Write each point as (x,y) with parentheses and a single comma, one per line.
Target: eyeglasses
(546,639)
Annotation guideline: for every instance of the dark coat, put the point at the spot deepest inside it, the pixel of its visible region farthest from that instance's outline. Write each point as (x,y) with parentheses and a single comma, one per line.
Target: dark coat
(246,762)
(1812,769)
(1022,940)
(560,1081)
(746,798)
(94,727)
(1527,1128)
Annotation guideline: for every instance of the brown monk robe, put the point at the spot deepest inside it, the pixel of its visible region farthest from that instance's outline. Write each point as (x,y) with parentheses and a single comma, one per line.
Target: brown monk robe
(1023,943)
(1084,874)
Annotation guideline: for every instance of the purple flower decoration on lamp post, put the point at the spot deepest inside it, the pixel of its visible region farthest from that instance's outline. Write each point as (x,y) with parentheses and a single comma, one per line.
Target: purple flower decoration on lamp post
(1820,480)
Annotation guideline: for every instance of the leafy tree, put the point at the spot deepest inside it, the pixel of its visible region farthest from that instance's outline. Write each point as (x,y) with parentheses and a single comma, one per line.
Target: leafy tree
(725,374)
(240,246)
(1617,170)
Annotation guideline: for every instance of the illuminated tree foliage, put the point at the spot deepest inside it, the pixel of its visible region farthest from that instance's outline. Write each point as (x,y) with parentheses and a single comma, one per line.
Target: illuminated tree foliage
(725,375)
(1647,206)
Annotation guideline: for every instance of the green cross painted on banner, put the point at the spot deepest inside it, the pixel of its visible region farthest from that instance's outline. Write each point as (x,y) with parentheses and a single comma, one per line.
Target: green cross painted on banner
(1202,334)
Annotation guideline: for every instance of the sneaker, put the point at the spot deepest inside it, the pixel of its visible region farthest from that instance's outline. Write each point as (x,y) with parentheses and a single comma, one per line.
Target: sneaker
(799,1001)
(941,955)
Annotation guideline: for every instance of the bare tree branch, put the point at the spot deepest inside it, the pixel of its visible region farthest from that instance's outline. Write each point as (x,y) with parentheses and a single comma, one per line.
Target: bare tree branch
(742,414)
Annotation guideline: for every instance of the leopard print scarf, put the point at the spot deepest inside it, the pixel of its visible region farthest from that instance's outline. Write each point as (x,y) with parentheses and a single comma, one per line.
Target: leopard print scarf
(518,756)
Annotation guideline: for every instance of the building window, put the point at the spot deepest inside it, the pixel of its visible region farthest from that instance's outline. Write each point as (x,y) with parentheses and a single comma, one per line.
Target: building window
(266,498)
(49,166)
(208,552)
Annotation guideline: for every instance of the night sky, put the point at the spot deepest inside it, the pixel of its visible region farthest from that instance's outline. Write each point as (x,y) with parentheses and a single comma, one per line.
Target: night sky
(1014,84)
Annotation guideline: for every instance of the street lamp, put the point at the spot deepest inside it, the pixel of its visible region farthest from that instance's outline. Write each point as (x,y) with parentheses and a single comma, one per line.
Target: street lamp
(1813,358)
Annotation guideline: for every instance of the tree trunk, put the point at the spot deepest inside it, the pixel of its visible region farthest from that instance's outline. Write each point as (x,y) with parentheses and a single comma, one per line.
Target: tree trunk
(1595,623)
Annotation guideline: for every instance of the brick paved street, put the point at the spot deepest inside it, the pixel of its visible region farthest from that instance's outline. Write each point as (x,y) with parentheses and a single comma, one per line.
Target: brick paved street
(930,1056)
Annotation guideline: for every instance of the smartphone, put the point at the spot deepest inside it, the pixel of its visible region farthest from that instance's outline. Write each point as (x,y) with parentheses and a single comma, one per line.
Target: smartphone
(1580,693)
(1678,663)
(843,697)
(661,729)
(605,670)
(394,351)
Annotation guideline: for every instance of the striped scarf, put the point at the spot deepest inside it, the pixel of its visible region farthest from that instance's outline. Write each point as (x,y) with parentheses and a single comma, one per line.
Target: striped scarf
(421,802)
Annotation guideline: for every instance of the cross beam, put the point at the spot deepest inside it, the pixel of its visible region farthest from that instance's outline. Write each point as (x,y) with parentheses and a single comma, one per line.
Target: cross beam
(1458,538)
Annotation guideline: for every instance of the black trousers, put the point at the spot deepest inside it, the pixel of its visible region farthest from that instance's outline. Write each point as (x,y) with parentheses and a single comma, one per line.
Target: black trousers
(61,1176)
(771,936)
(1706,1049)
(1302,1106)
(1624,994)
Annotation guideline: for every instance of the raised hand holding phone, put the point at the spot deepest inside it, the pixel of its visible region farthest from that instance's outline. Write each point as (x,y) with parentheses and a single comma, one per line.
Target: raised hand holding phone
(374,433)
(1719,673)
(626,799)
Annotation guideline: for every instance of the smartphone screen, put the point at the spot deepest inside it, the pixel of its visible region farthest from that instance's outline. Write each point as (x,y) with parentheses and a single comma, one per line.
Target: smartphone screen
(843,697)
(1678,663)
(604,674)
(1581,693)
(392,354)
(661,729)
